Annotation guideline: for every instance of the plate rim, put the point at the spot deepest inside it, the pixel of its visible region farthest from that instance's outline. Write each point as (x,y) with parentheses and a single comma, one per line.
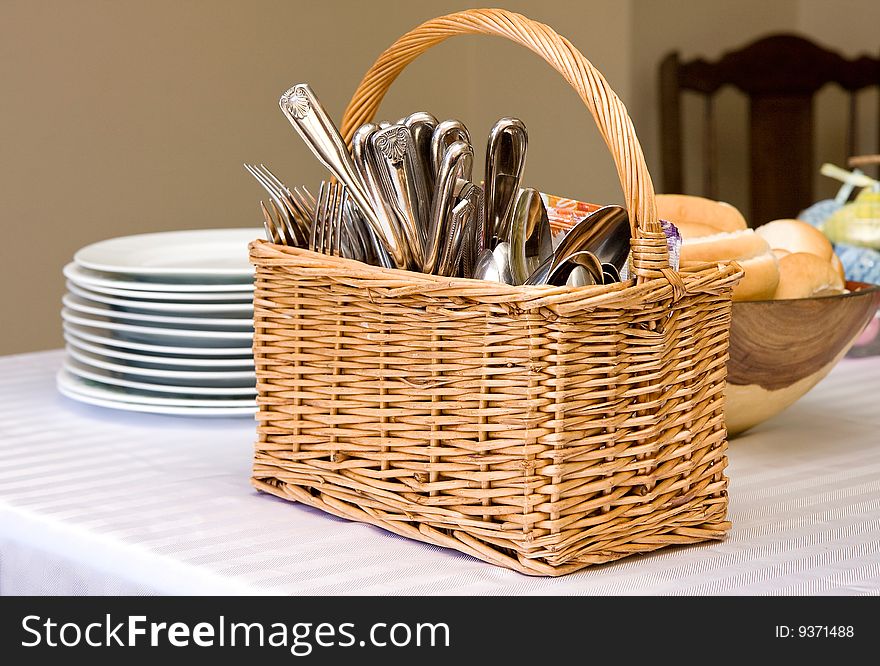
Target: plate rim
(158,306)
(70,338)
(155,388)
(67,386)
(105,311)
(235,352)
(174,297)
(72,316)
(73,271)
(81,255)
(80,354)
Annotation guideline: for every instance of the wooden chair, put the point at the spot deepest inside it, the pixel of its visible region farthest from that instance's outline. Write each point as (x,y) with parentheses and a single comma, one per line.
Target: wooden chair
(780,74)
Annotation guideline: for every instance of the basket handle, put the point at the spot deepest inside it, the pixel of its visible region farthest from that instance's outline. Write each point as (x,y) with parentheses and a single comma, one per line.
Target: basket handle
(650,254)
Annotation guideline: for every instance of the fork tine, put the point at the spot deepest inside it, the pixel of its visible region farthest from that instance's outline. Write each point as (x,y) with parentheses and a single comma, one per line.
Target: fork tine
(281,224)
(267,172)
(306,207)
(354,231)
(269,224)
(326,235)
(277,201)
(300,216)
(306,196)
(322,217)
(343,203)
(313,235)
(331,223)
(295,226)
(336,226)
(328,220)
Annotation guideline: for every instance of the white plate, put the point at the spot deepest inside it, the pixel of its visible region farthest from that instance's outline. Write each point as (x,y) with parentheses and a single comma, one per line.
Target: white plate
(203,252)
(195,378)
(147,361)
(129,305)
(104,337)
(92,280)
(153,334)
(149,297)
(115,398)
(78,304)
(106,377)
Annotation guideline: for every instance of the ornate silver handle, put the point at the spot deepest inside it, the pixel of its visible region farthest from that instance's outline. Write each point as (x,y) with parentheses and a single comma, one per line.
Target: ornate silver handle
(310,120)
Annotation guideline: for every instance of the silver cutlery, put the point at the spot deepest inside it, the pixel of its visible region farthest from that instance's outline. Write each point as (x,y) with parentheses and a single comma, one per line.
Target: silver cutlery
(311,121)
(505,162)
(486,268)
(404,198)
(365,163)
(450,259)
(494,265)
(610,273)
(472,241)
(531,241)
(580,269)
(456,163)
(445,134)
(604,232)
(326,231)
(403,187)
(274,225)
(421,125)
(293,207)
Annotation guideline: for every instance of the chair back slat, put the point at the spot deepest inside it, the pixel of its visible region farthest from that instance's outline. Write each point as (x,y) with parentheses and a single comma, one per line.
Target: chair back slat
(780,75)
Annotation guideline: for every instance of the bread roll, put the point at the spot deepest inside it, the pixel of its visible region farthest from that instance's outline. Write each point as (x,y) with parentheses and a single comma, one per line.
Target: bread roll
(687,209)
(749,250)
(736,246)
(802,274)
(837,266)
(796,236)
(779,252)
(694,229)
(760,279)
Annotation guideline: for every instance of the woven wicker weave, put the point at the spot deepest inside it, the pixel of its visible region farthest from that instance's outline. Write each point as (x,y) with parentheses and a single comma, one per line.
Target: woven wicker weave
(538,428)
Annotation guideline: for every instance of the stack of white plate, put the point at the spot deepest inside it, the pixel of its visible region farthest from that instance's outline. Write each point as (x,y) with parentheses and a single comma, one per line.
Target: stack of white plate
(162,323)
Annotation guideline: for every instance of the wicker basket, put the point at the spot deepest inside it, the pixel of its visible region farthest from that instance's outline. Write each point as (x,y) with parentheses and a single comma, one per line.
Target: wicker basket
(542,429)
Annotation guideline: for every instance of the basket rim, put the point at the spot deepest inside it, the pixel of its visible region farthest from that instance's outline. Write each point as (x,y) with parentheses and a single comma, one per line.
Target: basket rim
(708,278)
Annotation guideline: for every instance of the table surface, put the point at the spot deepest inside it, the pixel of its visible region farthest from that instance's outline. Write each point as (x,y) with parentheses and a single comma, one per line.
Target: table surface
(97,501)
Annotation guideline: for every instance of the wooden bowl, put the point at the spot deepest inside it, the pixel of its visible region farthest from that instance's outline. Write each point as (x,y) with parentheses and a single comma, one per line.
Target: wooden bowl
(781,349)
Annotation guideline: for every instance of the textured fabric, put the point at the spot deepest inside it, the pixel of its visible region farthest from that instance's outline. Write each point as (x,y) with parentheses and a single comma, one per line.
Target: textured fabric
(95,501)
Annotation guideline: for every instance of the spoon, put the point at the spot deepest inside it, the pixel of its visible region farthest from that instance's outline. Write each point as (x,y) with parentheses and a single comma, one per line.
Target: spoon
(590,270)
(604,232)
(486,267)
(502,258)
(610,274)
(531,240)
(580,277)
(505,160)
(494,264)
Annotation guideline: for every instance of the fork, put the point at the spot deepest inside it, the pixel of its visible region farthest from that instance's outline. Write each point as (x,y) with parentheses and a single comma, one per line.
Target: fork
(273,223)
(281,227)
(325,236)
(293,208)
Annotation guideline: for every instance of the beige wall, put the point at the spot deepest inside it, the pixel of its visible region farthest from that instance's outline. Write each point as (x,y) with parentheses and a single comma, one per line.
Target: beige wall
(124,116)
(700,29)
(853,28)
(710,28)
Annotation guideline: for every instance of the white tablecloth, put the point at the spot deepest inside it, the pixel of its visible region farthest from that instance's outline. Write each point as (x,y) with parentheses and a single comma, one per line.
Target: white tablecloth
(95,501)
